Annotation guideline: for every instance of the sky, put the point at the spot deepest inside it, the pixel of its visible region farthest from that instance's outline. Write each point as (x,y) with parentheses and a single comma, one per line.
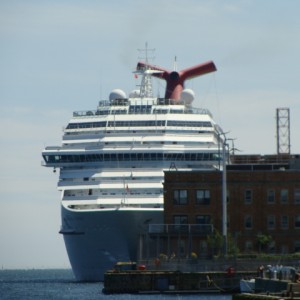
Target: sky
(60,56)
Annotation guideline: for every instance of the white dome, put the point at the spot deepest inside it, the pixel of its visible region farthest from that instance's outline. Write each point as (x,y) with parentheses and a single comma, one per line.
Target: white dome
(187,96)
(117,94)
(134,94)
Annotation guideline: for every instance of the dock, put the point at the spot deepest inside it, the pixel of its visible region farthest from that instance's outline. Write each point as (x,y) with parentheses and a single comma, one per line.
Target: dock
(152,281)
(270,289)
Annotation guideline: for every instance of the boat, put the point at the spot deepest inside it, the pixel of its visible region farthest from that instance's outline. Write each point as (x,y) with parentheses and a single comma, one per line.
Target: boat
(247,285)
(111,165)
(272,279)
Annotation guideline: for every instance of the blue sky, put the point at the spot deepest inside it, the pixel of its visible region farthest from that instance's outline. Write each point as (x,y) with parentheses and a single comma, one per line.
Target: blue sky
(60,56)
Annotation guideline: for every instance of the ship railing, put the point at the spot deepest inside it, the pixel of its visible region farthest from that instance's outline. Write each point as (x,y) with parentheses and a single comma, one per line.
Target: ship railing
(197,229)
(90,113)
(53,148)
(104,111)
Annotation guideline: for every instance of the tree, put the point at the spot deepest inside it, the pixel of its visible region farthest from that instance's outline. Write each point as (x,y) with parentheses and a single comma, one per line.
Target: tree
(215,242)
(263,241)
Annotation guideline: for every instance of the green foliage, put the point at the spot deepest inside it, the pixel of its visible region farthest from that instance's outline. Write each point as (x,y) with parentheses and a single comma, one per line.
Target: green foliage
(232,249)
(263,240)
(163,257)
(215,242)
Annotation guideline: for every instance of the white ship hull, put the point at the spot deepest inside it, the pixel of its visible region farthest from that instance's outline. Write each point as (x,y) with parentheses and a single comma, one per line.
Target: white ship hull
(96,240)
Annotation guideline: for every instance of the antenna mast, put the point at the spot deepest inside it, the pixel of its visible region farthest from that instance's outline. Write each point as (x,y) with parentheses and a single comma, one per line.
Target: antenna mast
(283,130)
(146,84)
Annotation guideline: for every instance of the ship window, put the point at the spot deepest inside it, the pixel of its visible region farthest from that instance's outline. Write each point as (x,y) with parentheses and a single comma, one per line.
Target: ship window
(180,156)
(127,156)
(189,123)
(159,156)
(102,112)
(86,125)
(193,156)
(176,111)
(147,156)
(160,111)
(153,156)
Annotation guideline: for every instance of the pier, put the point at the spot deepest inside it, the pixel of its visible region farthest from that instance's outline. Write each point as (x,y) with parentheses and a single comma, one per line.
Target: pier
(159,281)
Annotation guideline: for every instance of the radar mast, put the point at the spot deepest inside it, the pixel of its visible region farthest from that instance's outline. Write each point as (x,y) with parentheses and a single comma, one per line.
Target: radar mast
(146,83)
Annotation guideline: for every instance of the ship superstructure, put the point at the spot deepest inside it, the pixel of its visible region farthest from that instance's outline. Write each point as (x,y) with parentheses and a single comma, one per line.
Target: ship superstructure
(112,163)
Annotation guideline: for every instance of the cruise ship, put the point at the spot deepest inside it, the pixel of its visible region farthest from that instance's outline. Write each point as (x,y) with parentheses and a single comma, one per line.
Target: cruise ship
(111,165)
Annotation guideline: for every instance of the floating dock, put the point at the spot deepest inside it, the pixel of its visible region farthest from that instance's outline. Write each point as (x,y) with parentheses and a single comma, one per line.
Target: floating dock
(152,281)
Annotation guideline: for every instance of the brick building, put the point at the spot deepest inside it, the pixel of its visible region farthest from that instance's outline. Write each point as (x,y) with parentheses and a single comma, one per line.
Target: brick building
(263,199)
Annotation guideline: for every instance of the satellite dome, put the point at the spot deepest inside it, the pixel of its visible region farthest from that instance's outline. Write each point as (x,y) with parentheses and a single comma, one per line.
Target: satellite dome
(117,94)
(187,96)
(134,94)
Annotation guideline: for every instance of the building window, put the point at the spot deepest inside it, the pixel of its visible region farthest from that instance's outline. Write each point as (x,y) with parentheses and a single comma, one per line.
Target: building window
(297,196)
(297,222)
(271,196)
(297,246)
(182,247)
(284,249)
(179,221)
(182,219)
(248,196)
(203,219)
(248,246)
(204,224)
(272,247)
(284,222)
(203,247)
(248,222)
(180,197)
(203,197)
(284,196)
(271,222)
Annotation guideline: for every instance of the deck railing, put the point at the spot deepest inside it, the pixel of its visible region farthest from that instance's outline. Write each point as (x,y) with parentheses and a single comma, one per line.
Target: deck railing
(194,229)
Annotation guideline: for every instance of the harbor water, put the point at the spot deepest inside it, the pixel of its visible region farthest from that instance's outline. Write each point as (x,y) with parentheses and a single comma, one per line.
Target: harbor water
(61,284)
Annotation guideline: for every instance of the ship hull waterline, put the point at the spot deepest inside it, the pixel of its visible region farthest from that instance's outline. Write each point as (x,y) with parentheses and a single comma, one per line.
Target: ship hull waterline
(96,240)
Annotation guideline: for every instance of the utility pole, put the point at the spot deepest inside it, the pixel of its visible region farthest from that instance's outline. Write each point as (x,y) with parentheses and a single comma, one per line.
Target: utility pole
(224,196)
(223,142)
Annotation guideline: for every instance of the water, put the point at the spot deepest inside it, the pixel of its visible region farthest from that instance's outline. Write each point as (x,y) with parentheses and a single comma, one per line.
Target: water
(60,284)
